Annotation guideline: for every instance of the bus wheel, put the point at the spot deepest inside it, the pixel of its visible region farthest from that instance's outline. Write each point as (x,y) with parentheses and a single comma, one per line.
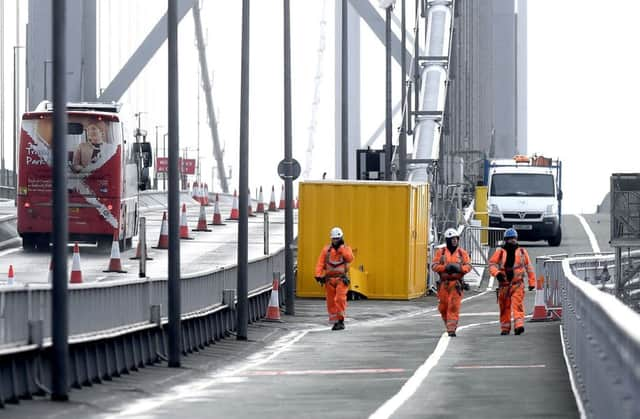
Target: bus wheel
(28,242)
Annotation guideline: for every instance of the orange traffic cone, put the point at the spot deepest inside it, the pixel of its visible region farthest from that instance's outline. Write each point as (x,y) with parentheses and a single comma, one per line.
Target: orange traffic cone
(235,214)
(260,207)
(184,227)
(217,217)
(163,240)
(272,200)
(249,209)
(114,263)
(273,311)
(540,308)
(296,203)
(202,220)
(206,194)
(281,205)
(10,276)
(76,272)
(194,191)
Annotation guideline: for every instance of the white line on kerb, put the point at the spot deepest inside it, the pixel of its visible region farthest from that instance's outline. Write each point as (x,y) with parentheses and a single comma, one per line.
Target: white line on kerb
(592,237)
(411,386)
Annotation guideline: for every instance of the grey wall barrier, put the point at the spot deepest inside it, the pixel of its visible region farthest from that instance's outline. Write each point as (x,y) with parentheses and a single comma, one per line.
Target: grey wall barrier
(109,307)
(603,345)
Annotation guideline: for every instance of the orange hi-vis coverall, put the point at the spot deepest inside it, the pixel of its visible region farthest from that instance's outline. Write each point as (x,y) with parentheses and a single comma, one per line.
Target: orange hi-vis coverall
(511,293)
(333,265)
(450,287)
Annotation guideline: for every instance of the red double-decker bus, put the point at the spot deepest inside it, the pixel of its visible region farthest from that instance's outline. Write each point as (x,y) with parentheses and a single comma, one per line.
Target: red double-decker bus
(106,167)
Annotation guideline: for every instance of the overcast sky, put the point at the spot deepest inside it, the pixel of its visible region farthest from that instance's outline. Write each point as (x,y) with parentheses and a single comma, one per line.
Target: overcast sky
(582,70)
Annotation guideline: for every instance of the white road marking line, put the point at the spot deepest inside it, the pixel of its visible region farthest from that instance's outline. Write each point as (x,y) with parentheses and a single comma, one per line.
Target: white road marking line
(225,376)
(487,313)
(414,382)
(498,367)
(572,380)
(590,235)
(325,372)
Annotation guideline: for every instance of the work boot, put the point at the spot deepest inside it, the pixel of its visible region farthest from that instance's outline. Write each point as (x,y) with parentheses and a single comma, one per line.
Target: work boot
(341,324)
(504,332)
(336,326)
(452,334)
(519,330)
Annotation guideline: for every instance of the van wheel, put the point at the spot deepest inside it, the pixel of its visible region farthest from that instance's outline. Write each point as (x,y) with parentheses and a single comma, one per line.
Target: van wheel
(557,239)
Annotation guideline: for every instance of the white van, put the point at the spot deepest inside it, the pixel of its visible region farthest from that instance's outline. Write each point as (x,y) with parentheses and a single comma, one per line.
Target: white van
(525,194)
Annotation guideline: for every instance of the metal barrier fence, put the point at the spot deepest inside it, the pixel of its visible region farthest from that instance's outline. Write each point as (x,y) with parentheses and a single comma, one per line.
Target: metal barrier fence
(107,307)
(479,241)
(602,338)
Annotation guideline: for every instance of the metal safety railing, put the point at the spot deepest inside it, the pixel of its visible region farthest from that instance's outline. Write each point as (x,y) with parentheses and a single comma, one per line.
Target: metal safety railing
(478,242)
(601,335)
(109,307)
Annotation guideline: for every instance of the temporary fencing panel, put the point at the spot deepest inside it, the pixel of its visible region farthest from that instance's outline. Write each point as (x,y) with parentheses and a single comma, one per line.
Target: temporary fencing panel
(386,225)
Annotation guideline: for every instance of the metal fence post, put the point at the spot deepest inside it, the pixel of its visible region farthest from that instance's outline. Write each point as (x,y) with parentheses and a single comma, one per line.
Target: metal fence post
(143,247)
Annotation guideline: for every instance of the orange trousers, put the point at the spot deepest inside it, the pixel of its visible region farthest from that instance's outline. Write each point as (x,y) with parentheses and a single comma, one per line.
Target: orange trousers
(336,292)
(449,299)
(511,298)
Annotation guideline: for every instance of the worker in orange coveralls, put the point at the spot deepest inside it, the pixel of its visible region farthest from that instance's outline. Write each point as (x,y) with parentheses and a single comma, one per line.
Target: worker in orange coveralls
(509,265)
(451,263)
(332,271)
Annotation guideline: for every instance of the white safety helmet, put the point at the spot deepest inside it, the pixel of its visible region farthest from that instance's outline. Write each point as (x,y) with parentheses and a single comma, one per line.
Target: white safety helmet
(336,233)
(450,233)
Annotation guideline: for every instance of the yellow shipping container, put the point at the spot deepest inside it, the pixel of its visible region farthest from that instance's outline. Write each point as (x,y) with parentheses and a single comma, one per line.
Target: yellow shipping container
(385,223)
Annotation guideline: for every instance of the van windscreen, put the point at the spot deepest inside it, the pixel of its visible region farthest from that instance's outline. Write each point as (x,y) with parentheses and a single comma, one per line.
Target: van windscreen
(522,184)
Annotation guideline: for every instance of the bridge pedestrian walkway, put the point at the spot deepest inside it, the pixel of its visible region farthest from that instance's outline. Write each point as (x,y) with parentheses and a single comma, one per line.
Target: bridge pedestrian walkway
(392,360)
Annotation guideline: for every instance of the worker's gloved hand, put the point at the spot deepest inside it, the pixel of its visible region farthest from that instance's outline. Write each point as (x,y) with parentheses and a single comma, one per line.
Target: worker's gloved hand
(346,281)
(532,287)
(500,277)
(453,268)
(320,280)
(465,286)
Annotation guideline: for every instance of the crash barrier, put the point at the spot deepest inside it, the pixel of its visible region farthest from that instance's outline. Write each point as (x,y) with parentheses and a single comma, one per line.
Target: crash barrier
(602,339)
(118,326)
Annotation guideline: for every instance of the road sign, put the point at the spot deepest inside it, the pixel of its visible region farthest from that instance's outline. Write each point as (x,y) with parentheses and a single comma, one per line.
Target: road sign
(289,169)
(187,166)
